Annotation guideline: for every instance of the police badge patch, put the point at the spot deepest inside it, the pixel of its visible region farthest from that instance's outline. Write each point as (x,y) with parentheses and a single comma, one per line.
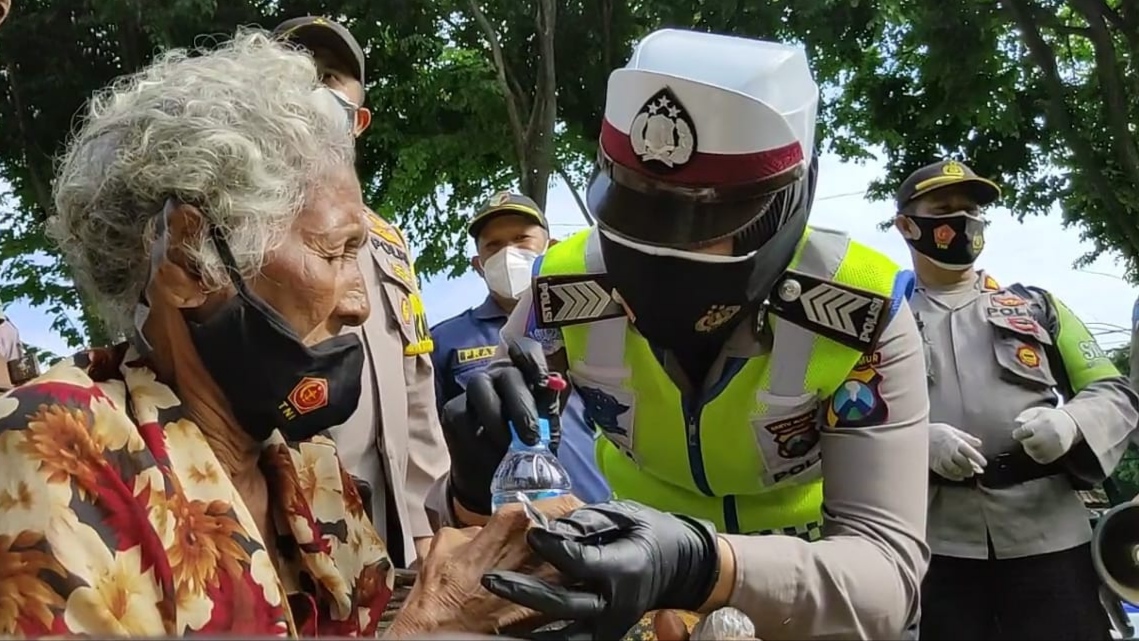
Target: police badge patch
(603,409)
(663,134)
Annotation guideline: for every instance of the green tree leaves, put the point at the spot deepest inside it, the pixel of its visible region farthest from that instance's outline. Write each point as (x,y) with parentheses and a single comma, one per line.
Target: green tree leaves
(1041,94)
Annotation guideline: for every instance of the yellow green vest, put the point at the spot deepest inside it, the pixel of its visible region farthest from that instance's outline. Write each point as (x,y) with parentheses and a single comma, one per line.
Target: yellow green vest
(745,455)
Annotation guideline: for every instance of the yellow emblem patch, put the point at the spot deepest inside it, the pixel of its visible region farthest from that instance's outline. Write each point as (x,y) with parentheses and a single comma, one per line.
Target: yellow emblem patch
(471,354)
(384,230)
(422,343)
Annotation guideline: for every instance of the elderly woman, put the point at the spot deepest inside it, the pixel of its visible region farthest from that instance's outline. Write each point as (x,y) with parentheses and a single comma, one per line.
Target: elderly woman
(177,483)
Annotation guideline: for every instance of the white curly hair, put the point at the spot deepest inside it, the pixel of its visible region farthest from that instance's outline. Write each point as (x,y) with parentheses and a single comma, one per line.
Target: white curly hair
(242,131)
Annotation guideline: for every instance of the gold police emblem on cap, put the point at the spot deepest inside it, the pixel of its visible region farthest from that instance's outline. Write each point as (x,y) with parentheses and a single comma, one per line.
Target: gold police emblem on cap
(499,199)
(953,168)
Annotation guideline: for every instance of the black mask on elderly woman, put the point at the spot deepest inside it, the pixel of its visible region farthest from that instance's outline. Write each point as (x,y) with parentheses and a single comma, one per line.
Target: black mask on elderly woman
(271,379)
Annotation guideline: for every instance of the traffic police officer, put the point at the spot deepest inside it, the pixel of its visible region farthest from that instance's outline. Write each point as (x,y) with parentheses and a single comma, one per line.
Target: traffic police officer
(510,233)
(392,444)
(1009,535)
(732,357)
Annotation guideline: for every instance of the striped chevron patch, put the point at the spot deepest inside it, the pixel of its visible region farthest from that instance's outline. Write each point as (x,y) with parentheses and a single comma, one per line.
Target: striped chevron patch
(570,300)
(844,314)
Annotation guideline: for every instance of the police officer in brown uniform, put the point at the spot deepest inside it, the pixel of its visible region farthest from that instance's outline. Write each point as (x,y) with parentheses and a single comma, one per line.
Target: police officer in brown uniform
(1008,533)
(393,443)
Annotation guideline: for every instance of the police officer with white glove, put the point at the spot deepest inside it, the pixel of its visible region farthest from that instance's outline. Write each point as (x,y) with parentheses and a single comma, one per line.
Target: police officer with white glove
(1009,535)
(953,453)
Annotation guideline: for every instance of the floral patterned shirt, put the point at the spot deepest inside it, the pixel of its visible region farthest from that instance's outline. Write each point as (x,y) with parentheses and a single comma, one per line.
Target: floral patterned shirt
(116,518)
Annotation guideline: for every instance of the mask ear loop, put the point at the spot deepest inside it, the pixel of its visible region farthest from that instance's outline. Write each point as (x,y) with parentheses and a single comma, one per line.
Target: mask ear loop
(142,309)
(158,254)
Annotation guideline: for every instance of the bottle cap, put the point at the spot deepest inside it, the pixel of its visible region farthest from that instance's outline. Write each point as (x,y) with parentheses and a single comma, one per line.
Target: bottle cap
(555,382)
(516,441)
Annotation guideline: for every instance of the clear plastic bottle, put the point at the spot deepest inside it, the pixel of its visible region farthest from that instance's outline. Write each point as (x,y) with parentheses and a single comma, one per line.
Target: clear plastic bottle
(532,470)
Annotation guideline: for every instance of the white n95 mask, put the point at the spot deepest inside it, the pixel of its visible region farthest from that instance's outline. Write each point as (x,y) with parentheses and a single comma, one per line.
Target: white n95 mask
(508,272)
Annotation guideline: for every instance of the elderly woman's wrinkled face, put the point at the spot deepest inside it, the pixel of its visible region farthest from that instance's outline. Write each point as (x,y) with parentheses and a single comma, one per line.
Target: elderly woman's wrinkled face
(272,342)
(313,279)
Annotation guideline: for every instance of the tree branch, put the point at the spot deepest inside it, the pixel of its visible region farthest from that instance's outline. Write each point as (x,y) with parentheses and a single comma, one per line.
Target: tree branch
(1111,15)
(607,34)
(39,186)
(1110,80)
(1045,59)
(545,90)
(516,127)
(576,196)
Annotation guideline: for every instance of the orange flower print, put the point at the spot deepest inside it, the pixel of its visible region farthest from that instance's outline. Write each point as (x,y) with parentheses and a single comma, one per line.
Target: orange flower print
(58,438)
(25,597)
(206,540)
(353,502)
(28,500)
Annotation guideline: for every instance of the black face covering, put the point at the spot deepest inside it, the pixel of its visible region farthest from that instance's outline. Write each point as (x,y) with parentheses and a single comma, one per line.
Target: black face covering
(270,378)
(691,306)
(684,303)
(951,242)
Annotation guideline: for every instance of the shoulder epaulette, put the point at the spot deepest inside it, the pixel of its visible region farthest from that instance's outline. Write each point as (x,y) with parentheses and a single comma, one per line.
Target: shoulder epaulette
(848,315)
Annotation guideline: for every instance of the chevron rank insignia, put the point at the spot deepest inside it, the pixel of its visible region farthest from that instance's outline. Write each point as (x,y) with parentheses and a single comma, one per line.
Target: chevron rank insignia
(848,315)
(573,299)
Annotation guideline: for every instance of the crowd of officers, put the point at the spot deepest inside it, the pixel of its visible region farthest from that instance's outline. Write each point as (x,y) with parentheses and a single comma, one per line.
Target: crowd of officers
(1024,408)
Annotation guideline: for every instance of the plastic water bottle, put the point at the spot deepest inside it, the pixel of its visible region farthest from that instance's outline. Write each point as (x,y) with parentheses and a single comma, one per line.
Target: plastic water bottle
(531,470)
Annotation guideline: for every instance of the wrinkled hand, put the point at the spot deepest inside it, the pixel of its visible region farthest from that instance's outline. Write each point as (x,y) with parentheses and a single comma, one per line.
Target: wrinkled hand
(448,594)
(476,424)
(1045,433)
(628,558)
(954,454)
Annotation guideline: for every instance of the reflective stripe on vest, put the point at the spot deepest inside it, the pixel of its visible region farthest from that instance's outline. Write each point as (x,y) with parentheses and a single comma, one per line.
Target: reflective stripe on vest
(745,454)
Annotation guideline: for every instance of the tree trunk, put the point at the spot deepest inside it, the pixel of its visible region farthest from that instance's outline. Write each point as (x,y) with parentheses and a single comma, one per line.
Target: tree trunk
(1117,216)
(532,129)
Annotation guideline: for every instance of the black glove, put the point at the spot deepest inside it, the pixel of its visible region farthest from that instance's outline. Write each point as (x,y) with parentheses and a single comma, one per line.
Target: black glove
(476,424)
(627,559)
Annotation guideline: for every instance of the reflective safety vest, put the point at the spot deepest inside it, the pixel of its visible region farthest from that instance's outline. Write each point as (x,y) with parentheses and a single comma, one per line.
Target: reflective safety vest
(743,454)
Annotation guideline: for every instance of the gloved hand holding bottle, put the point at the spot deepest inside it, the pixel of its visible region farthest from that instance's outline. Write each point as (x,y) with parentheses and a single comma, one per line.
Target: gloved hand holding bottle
(477,424)
(954,454)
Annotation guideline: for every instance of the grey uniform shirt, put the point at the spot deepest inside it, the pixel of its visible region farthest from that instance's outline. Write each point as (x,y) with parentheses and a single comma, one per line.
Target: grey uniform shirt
(861,580)
(977,385)
(1134,355)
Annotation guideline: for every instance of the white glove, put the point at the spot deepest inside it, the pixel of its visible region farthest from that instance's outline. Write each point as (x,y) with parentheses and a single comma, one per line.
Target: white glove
(1045,433)
(954,454)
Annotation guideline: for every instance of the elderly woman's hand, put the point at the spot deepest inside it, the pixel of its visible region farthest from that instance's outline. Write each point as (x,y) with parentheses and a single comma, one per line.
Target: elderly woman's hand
(448,594)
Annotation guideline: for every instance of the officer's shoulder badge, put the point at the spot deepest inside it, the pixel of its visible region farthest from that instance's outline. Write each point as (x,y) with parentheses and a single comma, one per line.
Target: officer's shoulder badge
(563,300)
(384,230)
(848,315)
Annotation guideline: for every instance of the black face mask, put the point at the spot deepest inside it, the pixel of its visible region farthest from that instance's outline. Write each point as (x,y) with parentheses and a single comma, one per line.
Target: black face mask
(951,242)
(270,378)
(681,303)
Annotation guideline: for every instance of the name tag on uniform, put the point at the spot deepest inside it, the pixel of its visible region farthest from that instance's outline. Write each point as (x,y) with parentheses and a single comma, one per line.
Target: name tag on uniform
(471,354)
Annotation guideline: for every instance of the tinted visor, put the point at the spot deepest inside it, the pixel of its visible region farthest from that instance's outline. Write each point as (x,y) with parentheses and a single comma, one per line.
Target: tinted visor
(654,212)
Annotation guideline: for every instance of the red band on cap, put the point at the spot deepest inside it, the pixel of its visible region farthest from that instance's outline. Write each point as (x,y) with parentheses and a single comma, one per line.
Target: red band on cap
(705,169)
